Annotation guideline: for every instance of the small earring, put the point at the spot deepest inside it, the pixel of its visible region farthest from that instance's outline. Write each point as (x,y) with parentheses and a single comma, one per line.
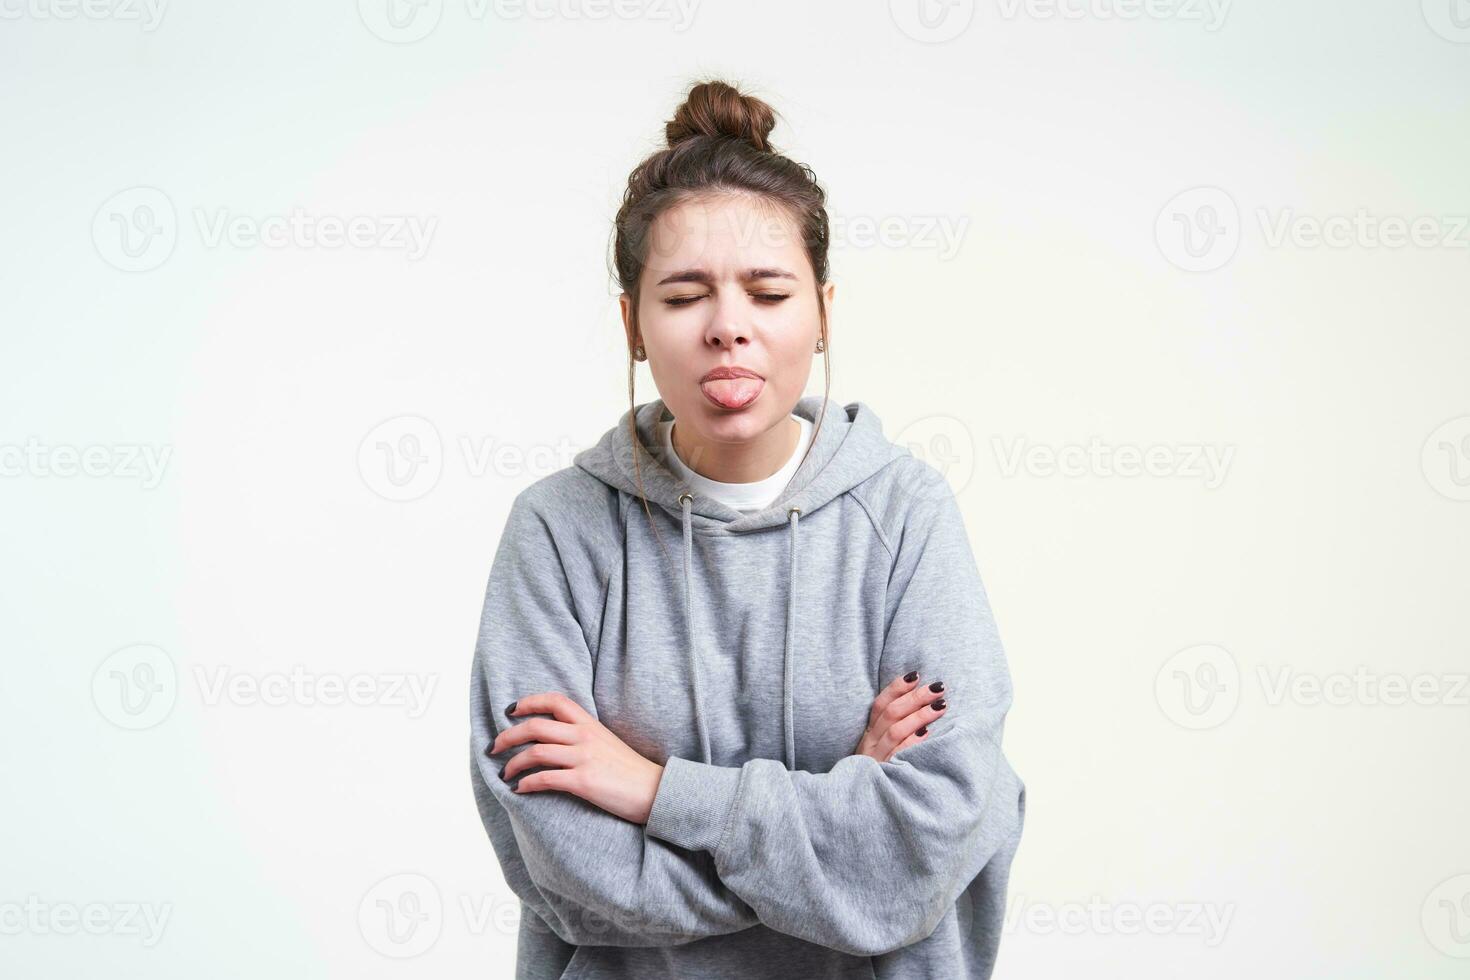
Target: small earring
(821,345)
(639,354)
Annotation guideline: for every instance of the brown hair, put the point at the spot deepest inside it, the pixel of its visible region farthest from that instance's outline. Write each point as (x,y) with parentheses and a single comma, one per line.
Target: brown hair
(718,143)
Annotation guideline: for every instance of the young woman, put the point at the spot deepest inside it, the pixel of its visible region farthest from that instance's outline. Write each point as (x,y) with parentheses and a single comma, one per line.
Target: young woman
(777,753)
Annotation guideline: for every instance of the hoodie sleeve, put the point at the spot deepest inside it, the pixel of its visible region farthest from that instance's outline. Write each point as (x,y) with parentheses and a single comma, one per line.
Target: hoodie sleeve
(594,878)
(868,857)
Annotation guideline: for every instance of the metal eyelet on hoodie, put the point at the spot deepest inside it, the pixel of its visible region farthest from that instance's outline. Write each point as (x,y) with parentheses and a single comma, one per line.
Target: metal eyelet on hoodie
(686,502)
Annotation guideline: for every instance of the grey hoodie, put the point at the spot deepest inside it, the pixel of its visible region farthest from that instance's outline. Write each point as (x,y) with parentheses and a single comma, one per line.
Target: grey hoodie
(742,652)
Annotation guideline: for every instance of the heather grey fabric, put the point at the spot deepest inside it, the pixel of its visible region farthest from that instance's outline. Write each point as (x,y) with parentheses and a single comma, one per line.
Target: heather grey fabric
(743,651)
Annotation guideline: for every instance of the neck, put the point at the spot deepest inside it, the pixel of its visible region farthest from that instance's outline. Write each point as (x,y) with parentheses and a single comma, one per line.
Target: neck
(738,462)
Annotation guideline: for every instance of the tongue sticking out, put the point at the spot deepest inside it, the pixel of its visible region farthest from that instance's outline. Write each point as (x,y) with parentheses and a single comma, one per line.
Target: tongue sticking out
(732,392)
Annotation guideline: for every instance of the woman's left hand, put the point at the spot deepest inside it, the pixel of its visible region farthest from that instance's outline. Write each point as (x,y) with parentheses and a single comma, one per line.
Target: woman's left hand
(591,761)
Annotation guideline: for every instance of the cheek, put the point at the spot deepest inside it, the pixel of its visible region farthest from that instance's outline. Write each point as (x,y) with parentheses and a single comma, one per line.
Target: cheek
(650,315)
(795,327)
(662,327)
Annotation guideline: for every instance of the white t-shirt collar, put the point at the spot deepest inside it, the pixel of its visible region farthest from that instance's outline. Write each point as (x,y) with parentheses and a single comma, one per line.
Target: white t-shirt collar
(744,497)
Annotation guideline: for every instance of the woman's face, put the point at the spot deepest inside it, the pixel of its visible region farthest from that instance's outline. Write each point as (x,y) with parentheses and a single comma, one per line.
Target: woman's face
(727,284)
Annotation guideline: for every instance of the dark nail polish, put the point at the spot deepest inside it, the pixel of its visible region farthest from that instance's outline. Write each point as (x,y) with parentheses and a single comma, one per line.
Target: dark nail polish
(938,705)
(911,676)
(922,731)
(937,686)
(502,773)
(510,708)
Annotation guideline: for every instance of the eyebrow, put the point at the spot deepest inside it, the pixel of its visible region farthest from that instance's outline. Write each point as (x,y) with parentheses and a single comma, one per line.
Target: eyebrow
(703,276)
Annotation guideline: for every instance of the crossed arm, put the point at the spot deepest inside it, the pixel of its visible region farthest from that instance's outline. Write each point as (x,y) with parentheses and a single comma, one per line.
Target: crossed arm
(725,848)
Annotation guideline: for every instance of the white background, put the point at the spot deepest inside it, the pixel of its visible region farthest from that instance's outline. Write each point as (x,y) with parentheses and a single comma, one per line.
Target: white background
(1148,618)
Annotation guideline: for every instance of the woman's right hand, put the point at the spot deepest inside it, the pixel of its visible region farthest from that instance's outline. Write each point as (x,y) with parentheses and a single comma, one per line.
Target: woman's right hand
(900,716)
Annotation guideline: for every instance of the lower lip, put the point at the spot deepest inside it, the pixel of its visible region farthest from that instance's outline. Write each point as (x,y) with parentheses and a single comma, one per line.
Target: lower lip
(732,393)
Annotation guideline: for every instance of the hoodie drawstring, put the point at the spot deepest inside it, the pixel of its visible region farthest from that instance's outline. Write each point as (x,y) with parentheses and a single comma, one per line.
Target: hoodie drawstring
(686,502)
(790,724)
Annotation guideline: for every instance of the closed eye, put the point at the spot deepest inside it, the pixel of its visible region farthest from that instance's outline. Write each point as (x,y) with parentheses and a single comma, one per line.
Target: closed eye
(771,298)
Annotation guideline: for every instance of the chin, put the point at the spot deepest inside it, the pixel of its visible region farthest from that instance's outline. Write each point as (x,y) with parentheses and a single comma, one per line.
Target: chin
(726,425)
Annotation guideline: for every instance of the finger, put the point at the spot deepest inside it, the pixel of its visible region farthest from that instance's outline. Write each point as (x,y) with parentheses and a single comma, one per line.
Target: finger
(540,754)
(906,704)
(534,730)
(565,780)
(898,687)
(900,699)
(902,729)
(919,736)
(552,703)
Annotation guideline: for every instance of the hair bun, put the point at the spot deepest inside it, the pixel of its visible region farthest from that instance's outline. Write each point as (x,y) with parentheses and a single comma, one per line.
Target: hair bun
(716,108)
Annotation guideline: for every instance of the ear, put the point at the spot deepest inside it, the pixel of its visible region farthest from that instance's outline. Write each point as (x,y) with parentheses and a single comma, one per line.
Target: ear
(625,305)
(829,293)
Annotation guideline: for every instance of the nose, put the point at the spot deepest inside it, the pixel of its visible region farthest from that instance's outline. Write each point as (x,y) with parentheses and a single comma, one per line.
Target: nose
(726,331)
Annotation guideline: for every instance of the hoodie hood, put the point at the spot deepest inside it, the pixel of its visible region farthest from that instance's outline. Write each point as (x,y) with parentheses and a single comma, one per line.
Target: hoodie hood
(848,447)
